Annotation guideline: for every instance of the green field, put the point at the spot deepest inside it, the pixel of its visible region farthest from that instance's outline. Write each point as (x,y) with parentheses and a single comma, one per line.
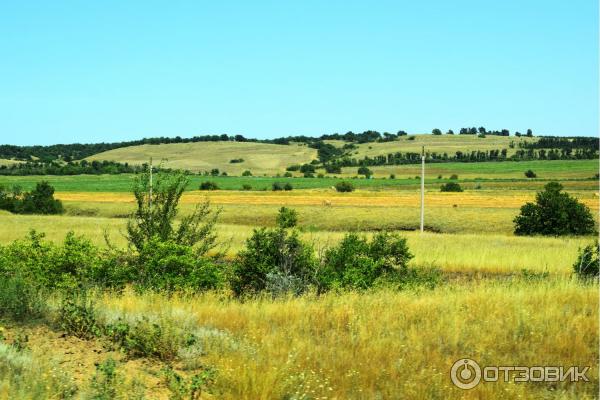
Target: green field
(497,174)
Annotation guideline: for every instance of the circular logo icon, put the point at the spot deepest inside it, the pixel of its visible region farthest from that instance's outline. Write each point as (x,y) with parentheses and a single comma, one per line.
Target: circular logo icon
(465,373)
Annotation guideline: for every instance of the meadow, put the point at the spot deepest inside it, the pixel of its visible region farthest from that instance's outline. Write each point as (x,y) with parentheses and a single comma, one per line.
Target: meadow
(501,299)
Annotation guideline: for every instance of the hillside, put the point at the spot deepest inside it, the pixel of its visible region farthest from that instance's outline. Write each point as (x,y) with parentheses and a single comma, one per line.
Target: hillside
(259,158)
(440,144)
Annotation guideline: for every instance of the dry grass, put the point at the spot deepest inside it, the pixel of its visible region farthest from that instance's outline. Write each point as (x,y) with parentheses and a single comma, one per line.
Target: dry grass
(389,344)
(463,253)
(439,144)
(259,158)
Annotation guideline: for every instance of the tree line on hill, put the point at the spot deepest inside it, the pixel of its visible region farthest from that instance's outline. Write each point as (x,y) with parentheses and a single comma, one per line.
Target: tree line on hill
(72,168)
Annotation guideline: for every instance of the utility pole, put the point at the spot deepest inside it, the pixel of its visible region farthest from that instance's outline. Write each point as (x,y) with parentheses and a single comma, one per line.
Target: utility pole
(150,197)
(422,188)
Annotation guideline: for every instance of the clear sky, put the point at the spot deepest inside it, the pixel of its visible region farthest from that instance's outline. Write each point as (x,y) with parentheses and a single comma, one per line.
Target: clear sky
(89,71)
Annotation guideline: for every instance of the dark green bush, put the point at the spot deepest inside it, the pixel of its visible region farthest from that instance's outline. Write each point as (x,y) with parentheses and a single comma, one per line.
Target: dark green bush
(39,201)
(245,186)
(365,171)
(288,174)
(357,263)
(287,217)
(246,173)
(166,265)
(288,186)
(530,174)
(587,264)
(454,176)
(20,299)
(554,213)
(451,187)
(77,315)
(275,260)
(344,187)
(208,185)
(276,186)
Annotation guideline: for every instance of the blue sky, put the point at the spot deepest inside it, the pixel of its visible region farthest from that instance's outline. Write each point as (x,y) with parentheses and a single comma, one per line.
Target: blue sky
(82,71)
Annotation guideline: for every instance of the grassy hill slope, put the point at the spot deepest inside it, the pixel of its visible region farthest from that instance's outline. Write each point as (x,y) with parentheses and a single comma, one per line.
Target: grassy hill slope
(259,158)
(440,144)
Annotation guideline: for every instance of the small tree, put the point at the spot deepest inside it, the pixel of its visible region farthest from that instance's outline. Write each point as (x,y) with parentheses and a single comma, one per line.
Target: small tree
(344,187)
(157,209)
(275,260)
(288,186)
(530,174)
(246,173)
(451,187)
(40,201)
(276,186)
(554,213)
(208,185)
(365,171)
(436,131)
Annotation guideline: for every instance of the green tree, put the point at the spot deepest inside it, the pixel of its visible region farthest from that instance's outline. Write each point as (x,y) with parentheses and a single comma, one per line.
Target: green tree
(554,213)
(40,201)
(157,209)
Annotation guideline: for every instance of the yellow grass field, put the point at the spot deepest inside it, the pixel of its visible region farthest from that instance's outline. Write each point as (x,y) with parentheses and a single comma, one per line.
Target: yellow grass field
(440,144)
(259,158)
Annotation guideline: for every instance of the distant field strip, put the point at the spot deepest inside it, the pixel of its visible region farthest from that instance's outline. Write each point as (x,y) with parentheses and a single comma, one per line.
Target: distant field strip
(373,199)
(463,253)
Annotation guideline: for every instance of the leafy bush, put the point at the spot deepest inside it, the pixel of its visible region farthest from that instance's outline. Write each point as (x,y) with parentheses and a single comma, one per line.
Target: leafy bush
(208,185)
(77,315)
(365,171)
(20,299)
(530,174)
(236,161)
(245,186)
(288,186)
(182,388)
(288,174)
(167,265)
(287,217)
(39,201)
(587,264)
(554,213)
(246,173)
(357,263)
(344,187)
(276,187)
(273,255)
(156,212)
(451,187)
(454,176)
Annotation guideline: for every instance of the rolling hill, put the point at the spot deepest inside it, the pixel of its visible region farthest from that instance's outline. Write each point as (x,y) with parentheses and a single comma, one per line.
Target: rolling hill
(259,158)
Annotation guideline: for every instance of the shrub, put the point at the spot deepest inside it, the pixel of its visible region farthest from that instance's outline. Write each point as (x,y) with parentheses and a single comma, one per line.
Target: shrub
(39,201)
(309,175)
(246,173)
(392,176)
(344,187)
(276,186)
(554,213)
(410,138)
(287,217)
(167,265)
(451,187)
(365,171)
(208,185)
(236,161)
(272,256)
(182,388)
(454,176)
(77,315)
(307,168)
(245,186)
(288,186)
(20,299)
(155,215)
(294,167)
(357,263)
(288,174)
(587,264)
(214,172)
(530,174)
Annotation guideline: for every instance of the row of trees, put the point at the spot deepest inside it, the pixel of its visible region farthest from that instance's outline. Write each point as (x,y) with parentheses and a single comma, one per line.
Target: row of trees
(71,168)
(399,158)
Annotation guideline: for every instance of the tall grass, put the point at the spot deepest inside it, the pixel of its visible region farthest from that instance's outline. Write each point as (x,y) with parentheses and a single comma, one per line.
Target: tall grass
(387,344)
